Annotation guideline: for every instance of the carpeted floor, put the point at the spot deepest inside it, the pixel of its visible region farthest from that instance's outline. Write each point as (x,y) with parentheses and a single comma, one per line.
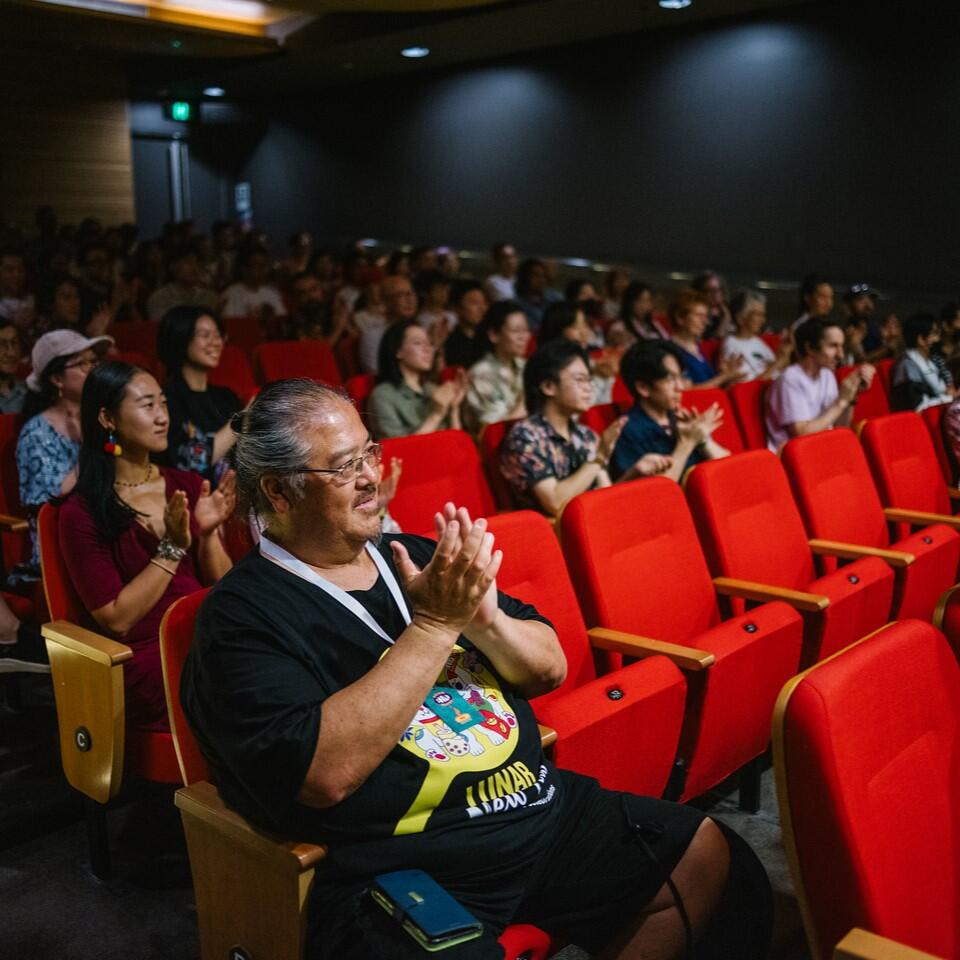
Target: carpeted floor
(53,909)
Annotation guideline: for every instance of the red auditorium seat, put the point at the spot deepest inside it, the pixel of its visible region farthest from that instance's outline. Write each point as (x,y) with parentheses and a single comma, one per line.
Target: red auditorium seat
(437,467)
(865,749)
(621,395)
(608,536)
(599,417)
(885,373)
(247,333)
(151,365)
(360,387)
(451,373)
(489,441)
(710,349)
(14,527)
(872,402)
(234,372)
(834,490)
(933,419)
(749,406)
(701,398)
(772,340)
(135,336)
(283,359)
(751,531)
(621,727)
(232,861)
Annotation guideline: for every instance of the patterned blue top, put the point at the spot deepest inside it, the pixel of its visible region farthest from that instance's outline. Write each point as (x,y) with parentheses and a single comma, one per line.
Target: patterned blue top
(44,458)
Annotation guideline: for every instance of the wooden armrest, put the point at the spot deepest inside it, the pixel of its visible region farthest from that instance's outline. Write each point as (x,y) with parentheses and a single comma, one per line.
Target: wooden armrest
(686,658)
(86,642)
(861,945)
(548,736)
(749,590)
(9,524)
(919,518)
(203,801)
(953,493)
(854,551)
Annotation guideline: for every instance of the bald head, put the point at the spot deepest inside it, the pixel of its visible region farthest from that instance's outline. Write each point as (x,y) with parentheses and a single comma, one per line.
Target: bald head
(399,300)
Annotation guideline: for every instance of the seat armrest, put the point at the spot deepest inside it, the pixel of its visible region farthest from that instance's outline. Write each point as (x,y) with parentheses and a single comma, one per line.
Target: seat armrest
(750,590)
(548,736)
(861,945)
(632,645)
(953,493)
(9,524)
(855,551)
(85,642)
(919,518)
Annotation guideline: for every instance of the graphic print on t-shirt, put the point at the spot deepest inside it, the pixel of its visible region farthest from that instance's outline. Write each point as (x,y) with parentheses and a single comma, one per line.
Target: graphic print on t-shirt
(466,725)
(194,453)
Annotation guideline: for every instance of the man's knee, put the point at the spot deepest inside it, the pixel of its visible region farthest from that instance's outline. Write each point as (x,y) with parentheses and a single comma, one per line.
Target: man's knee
(703,869)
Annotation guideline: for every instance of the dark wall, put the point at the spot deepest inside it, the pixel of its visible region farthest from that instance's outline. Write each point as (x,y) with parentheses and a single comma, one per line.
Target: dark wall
(820,139)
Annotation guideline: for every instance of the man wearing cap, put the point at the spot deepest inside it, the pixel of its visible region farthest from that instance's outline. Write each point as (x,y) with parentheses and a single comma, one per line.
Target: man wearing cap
(860,301)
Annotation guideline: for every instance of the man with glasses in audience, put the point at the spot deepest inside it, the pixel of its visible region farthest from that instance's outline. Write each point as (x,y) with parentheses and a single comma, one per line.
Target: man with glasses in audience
(370,691)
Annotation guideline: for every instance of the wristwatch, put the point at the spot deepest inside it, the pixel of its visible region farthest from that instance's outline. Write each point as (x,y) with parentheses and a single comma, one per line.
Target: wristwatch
(168,550)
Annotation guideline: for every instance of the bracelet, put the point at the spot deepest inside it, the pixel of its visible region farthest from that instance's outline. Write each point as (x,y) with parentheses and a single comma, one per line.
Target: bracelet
(600,462)
(168,550)
(157,563)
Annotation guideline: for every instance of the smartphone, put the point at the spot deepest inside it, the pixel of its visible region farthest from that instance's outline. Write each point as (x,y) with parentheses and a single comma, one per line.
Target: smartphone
(424,909)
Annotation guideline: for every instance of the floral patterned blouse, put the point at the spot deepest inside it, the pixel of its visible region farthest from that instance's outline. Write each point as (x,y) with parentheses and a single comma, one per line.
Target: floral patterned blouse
(533,451)
(493,390)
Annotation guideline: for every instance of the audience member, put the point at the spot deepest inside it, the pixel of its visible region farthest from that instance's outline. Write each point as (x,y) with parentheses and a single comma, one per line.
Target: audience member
(184,288)
(615,285)
(657,422)
(405,401)
(689,318)
(356,268)
(816,300)
(916,381)
(500,285)
(223,237)
(448,263)
(461,348)
(307,761)
(860,302)
(584,294)
(533,292)
(805,398)
(719,317)
(435,315)
(568,321)
(636,318)
(15,301)
(103,296)
(136,537)
(190,344)
(399,304)
(495,382)
(757,360)
(300,249)
(13,392)
(49,443)
(398,264)
(253,296)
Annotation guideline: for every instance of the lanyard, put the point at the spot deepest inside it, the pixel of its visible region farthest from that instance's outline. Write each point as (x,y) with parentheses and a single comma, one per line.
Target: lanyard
(288,561)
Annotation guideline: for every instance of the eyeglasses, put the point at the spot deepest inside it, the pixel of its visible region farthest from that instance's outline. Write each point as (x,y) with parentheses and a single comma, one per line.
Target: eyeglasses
(349,471)
(85,365)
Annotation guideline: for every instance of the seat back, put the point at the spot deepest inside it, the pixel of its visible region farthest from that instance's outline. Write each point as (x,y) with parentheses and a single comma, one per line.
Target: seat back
(748,523)
(833,488)
(360,387)
(63,602)
(728,435)
(245,333)
(904,463)
(234,372)
(533,571)
(600,417)
(16,547)
(868,787)
(284,359)
(933,419)
(872,402)
(885,375)
(135,336)
(437,467)
(489,442)
(748,401)
(633,553)
(621,395)
(151,365)
(176,638)
(710,348)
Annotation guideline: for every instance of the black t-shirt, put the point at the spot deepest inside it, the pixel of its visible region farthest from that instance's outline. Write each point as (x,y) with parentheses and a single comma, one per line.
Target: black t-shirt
(195,418)
(467,788)
(460,350)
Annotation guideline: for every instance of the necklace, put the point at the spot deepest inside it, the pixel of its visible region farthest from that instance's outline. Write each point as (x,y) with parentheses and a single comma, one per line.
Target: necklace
(139,483)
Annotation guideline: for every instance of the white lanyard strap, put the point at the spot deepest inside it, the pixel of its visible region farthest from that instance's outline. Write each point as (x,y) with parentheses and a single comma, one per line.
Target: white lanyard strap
(288,561)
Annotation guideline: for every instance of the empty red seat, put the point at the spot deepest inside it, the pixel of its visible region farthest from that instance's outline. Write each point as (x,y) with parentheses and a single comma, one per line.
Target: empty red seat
(489,442)
(749,406)
(234,372)
(285,359)
(643,530)
(621,727)
(699,399)
(872,402)
(834,490)
(751,531)
(866,749)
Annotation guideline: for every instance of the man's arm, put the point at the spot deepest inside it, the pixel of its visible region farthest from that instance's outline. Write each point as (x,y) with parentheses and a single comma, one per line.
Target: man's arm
(839,412)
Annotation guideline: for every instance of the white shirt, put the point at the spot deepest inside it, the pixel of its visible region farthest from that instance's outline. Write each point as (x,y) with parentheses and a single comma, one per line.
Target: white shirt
(241,301)
(499,287)
(795,398)
(371,327)
(755,355)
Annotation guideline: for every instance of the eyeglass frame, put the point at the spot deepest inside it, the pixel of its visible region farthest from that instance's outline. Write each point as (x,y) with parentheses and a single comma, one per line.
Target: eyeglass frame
(375,449)
(89,363)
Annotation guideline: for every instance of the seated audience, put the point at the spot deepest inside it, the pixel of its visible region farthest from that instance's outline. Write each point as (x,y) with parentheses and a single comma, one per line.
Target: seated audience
(816,300)
(323,747)
(404,400)
(533,291)
(16,303)
(689,318)
(461,348)
(860,302)
(13,392)
(805,398)
(49,443)
(549,457)
(757,360)
(657,423)
(104,297)
(190,344)
(495,382)
(356,269)
(501,284)
(568,321)
(854,335)
(252,295)
(584,294)
(719,317)
(916,381)
(636,320)
(184,288)
(399,305)
(435,315)
(615,285)
(136,537)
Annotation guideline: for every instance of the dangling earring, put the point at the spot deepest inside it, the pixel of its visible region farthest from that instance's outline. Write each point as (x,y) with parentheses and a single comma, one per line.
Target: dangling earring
(111,448)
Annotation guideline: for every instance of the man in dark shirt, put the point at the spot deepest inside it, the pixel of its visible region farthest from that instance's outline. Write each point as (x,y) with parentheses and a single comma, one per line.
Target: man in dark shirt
(460,349)
(371,692)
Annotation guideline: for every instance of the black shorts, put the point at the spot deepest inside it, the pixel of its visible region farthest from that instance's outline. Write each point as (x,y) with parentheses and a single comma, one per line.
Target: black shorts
(592,879)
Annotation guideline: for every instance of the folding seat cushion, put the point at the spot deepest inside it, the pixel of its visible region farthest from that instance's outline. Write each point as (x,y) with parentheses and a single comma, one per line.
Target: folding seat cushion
(489,442)
(871,402)
(633,553)
(748,401)
(751,531)
(621,727)
(729,433)
(834,490)
(283,359)
(865,748)
(437,467)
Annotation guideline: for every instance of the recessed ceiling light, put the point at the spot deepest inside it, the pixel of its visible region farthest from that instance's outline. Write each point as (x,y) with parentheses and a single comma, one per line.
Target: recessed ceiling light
(415,53)
(214,92)
(675,4)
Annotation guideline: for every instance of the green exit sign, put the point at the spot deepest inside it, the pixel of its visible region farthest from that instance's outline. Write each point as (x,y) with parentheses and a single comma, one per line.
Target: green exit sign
(179,110)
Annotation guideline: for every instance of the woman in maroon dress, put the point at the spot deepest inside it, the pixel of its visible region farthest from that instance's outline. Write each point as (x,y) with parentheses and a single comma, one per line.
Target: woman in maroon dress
(136,536)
